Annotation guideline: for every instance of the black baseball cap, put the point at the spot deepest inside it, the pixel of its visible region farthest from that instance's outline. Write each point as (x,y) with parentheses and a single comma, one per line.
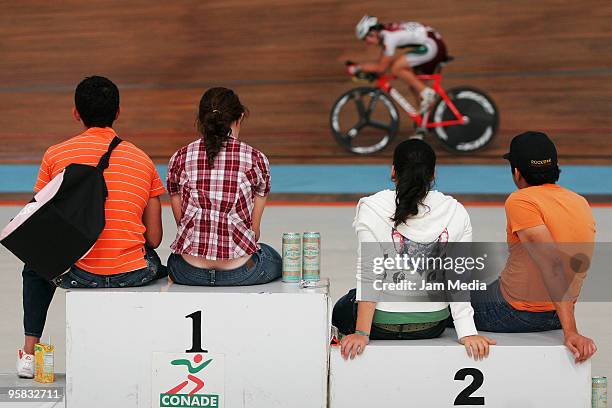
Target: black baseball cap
(532,153)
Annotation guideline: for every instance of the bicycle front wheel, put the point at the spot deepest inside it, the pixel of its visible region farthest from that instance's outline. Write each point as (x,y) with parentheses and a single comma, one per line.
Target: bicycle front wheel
(481,120)
(364,120)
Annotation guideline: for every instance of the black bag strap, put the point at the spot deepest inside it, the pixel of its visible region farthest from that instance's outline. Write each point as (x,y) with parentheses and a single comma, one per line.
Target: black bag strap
(103,163)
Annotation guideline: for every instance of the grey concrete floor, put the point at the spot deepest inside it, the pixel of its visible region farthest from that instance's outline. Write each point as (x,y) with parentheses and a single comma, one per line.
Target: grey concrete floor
(338,260)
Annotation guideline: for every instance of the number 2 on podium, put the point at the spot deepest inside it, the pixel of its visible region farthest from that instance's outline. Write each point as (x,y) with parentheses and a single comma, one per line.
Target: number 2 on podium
(196,332)
(465,396)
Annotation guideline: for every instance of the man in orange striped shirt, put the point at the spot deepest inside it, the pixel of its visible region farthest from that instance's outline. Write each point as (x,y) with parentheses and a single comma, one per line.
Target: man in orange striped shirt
(124,253)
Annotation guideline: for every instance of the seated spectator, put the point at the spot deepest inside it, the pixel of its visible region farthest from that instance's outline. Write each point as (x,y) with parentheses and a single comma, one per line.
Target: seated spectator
(538,214)
(218,187)
(416,221)
(123,254)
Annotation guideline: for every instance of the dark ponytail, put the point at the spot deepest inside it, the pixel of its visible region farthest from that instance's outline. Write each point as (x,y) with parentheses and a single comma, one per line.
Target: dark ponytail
(414,162)
(219,108)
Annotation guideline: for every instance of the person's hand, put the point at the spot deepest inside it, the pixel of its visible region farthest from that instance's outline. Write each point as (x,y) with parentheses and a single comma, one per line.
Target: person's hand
(353,345)
(581,347)
(477,346)
(353,69)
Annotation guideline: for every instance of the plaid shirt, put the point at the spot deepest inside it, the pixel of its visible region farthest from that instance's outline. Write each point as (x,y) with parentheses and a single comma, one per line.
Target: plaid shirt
(217,202)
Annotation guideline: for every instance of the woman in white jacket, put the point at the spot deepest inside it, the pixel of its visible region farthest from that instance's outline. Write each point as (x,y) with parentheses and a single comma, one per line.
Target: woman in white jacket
(413,221)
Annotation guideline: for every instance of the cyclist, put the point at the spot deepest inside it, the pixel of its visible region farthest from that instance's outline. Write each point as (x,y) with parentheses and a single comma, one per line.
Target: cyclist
(427,51)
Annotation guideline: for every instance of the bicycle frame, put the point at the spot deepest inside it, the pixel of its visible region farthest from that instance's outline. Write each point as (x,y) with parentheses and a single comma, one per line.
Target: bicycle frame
(421,121)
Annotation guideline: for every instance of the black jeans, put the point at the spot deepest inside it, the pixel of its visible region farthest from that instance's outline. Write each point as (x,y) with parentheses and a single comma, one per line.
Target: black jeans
(264,266)
(344,317)
(38,292)
(494,314)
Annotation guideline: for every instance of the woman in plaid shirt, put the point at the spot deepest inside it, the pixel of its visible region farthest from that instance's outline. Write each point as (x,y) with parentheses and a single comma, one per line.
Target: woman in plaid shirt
(218,187)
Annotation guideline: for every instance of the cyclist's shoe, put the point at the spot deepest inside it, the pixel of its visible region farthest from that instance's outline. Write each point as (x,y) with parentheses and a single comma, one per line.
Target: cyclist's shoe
(419,133)
(25,364)
(428,97)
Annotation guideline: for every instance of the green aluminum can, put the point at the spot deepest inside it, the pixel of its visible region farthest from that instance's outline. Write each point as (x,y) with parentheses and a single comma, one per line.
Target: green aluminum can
(600,392)
(292,256)
(311,256)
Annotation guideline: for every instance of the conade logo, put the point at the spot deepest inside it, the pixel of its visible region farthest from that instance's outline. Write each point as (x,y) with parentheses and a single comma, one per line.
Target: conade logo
(174,397)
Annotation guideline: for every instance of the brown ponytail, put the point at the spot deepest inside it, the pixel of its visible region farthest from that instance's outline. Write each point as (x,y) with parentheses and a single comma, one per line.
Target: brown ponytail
(414,162)
(219,108)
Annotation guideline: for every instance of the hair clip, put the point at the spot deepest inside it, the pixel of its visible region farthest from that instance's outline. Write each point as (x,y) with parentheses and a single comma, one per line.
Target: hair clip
(216,111)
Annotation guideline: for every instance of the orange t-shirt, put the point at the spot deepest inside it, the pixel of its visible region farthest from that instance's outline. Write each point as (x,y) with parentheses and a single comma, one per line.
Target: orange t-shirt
(569,219)
(131,179)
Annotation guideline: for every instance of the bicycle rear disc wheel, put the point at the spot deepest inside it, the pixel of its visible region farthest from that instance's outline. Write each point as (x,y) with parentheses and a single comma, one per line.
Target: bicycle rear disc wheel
(481,120)
(364,120)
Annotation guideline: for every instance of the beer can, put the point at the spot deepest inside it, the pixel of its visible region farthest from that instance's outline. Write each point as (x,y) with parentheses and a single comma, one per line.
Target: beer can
(292,256)
(311,256)
(600,392)
(43,363)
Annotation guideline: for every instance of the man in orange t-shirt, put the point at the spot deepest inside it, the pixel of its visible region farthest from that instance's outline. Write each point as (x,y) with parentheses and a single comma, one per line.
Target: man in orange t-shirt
(549,229)
(124,253)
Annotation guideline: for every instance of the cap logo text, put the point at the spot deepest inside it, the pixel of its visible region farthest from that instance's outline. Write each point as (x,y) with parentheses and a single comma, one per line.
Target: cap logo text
(545,162)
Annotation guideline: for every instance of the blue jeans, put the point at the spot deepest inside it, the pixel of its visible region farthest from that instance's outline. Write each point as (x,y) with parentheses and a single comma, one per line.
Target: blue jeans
(494,314)
(264,266)
(344,317)
(78,278)
(38,292)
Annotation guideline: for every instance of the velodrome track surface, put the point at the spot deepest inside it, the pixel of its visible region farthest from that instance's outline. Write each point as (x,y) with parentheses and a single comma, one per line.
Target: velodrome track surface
(338,260)
(547,64)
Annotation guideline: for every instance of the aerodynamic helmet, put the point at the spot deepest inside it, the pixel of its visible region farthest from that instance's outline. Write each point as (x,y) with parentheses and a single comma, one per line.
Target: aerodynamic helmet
(364,26)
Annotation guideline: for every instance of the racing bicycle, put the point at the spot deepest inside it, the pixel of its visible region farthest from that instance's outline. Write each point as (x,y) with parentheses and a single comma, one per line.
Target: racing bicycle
(364,120)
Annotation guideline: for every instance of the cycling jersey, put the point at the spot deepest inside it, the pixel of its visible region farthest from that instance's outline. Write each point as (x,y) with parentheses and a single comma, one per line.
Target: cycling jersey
(404,34)
(432,49)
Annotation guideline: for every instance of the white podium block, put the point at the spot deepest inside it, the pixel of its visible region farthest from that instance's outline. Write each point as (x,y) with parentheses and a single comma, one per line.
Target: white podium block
(267,345)
(523,371)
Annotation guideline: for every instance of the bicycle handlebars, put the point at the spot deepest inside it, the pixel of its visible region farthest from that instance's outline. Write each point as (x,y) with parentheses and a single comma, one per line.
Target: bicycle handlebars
(367,76)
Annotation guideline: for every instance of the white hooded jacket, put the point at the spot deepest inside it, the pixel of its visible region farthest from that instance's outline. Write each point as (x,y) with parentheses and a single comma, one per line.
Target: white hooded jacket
(440,214)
